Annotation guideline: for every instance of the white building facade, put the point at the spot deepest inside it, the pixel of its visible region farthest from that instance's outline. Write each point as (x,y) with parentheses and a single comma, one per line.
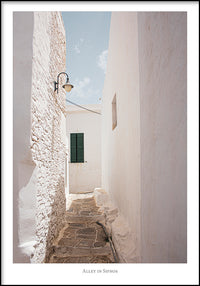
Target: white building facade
(39,144)
(83,130)
(144,132)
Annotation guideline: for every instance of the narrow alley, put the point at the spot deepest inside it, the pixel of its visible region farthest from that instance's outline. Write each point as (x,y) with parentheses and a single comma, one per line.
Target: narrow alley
(84,238)
(96,183)
(110,172)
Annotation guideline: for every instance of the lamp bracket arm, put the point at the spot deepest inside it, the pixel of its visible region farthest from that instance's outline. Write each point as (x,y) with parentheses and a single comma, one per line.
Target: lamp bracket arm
(60,74)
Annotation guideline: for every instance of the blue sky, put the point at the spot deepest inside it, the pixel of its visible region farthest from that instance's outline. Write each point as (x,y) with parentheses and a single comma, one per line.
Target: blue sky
(87,39)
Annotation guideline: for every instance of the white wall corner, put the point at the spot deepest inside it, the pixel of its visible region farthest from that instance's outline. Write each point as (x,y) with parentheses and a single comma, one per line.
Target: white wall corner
(117,227)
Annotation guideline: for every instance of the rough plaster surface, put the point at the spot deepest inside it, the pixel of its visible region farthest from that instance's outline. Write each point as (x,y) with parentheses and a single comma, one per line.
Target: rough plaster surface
(39,142)
(117,226)
(47,142)
(144,157)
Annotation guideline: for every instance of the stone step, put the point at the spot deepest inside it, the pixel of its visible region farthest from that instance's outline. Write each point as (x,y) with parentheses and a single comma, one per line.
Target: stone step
(71,218)
(82,240)
(82,259)
(65,251)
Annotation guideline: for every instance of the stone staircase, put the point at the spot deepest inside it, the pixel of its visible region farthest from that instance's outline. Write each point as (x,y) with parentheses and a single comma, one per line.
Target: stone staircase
(82,240)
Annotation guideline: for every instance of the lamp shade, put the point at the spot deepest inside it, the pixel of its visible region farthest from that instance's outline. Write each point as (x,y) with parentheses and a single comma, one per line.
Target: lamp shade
(68,86)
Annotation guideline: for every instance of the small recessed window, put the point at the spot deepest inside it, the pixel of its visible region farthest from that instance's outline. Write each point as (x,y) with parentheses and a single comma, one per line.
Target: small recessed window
(114,112)
(77,147)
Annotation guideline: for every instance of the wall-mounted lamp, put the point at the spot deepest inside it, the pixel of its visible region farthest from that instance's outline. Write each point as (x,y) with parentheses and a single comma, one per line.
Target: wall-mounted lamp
(67,86)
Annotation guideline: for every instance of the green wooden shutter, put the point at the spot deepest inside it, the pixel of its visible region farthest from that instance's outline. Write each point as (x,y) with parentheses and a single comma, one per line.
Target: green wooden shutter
(73,147)
(80,147)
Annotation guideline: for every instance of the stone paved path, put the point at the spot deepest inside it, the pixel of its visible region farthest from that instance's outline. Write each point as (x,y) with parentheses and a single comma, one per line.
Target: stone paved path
(82,240)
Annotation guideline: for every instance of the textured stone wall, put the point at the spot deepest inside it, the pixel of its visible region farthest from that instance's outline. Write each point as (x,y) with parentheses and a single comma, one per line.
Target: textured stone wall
(47,145)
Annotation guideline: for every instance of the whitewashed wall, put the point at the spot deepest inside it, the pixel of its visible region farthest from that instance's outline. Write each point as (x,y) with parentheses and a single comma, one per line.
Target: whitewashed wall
(163,105)
(121,146)
(84,177)
(40,200)
(144,157)
(24,194)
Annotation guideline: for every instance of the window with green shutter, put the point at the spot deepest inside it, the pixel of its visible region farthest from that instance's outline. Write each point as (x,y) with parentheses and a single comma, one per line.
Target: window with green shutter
(77,147)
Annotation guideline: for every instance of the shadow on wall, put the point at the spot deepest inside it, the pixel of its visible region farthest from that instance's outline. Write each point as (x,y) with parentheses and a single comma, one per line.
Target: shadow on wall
(57,218)
(24,204)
